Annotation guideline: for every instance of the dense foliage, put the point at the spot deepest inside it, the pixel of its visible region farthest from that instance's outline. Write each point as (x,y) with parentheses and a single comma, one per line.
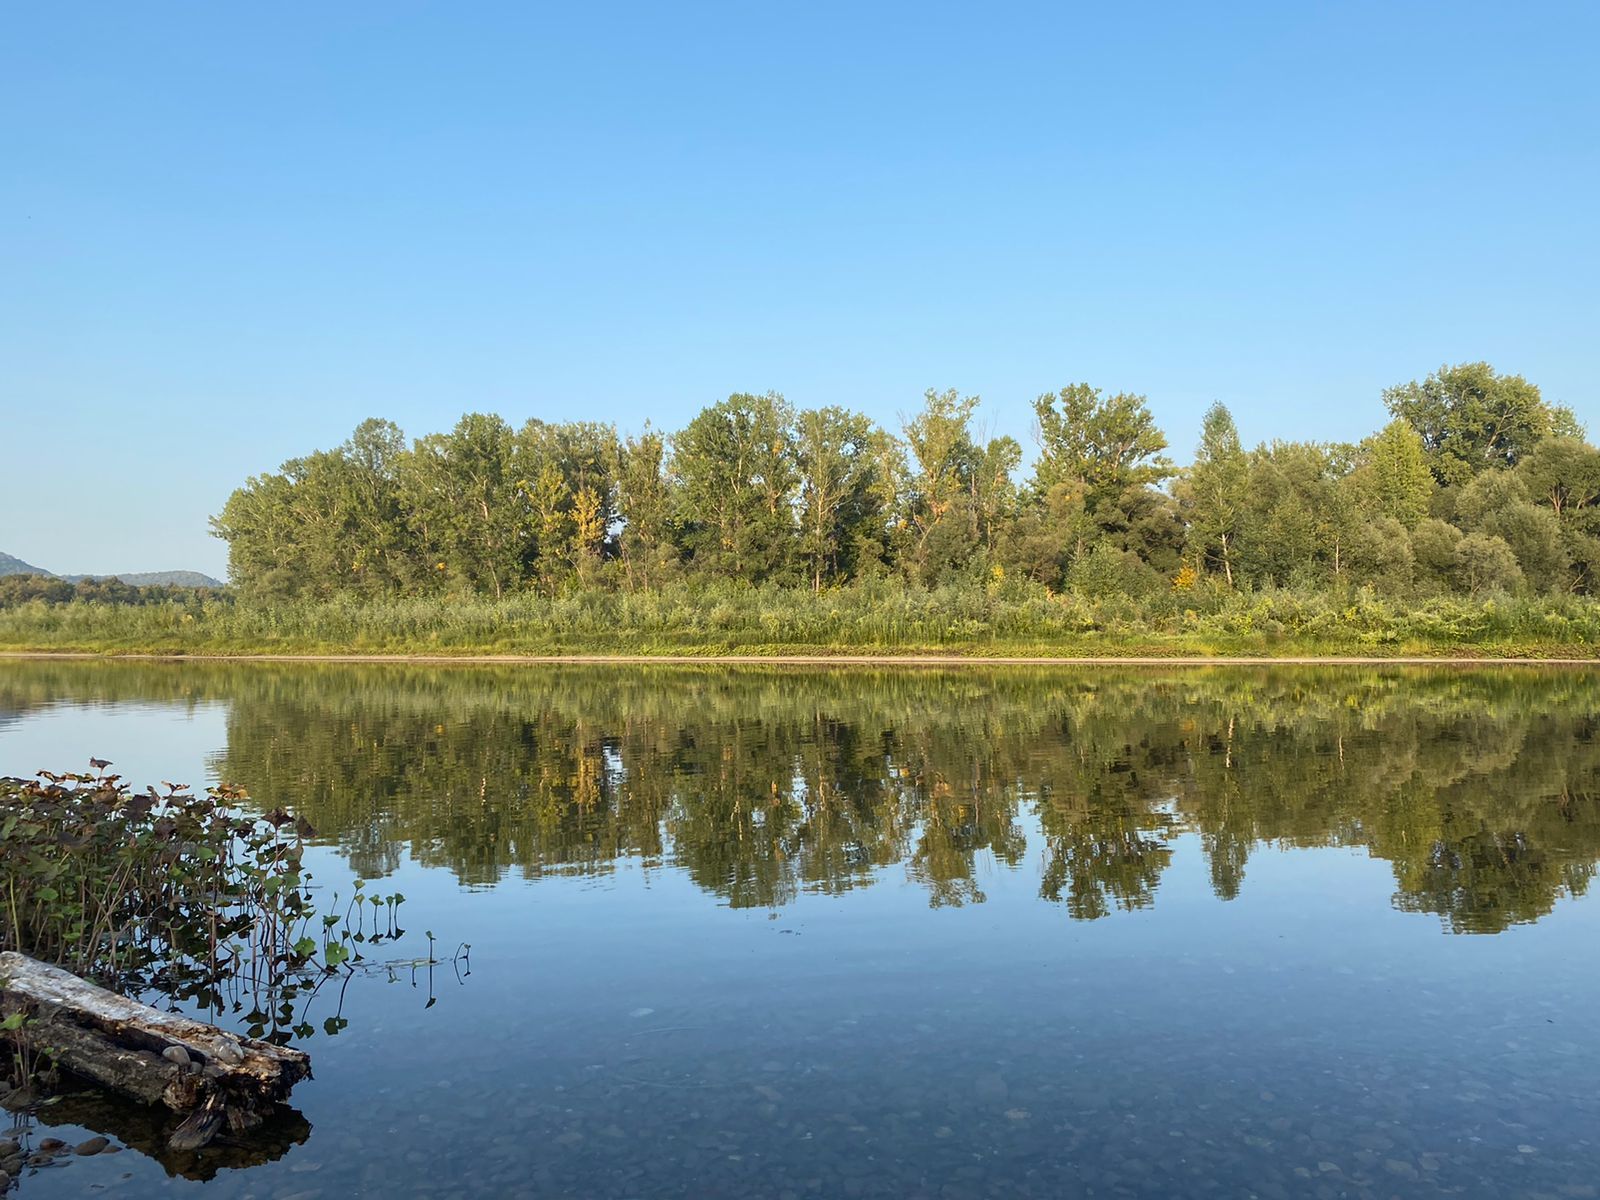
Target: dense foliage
(1011,616)
(1478,485)
(171,894)
(20,589)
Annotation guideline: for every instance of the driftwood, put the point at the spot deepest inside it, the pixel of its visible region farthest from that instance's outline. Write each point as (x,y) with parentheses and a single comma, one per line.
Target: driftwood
(212,1076)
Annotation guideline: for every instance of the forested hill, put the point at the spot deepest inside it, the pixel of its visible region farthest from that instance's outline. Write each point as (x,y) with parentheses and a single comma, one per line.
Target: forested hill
(1477,485)
(185,579)
(11,565)
(15,566)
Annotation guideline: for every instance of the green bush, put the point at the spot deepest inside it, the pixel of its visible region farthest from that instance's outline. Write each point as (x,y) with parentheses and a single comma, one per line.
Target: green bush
(1115,606)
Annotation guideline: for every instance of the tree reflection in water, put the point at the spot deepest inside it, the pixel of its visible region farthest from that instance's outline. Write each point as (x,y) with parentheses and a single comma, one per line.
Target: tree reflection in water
(1477,786)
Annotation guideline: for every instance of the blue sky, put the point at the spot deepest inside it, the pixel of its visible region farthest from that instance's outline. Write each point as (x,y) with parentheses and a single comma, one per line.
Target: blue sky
(228,235)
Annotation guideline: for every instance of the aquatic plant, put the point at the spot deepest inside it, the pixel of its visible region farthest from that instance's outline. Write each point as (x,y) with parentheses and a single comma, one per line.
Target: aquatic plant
(173,894)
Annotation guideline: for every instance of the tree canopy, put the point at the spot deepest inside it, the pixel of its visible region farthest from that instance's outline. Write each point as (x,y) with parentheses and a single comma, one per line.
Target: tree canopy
(1477,483)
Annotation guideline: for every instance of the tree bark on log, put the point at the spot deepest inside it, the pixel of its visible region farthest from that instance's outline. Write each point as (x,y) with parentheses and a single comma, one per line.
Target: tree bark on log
(152,1056)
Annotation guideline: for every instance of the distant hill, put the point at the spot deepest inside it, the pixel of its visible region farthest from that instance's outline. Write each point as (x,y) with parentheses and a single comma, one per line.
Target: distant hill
(15,566)
(152,578)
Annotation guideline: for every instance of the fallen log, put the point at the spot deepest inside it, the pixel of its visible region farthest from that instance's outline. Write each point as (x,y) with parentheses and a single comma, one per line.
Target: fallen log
(214,1077)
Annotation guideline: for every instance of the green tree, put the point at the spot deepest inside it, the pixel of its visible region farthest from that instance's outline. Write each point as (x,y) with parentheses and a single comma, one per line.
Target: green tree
(944,529)
(1296,514)
(993,489)
(260,525)
(1099,457)
(647,501)
(561,469)
(1471,418)
(1216,491)
(1104,444)
(739,477)
(1433,547)
(1485,562)
(326,523)
(837,498)
(1395,474)
(1497,503)
(468,506)
(1563,474)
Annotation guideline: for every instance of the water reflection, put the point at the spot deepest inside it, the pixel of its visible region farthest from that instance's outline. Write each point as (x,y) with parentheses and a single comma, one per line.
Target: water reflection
(147,1129)
(1477,786)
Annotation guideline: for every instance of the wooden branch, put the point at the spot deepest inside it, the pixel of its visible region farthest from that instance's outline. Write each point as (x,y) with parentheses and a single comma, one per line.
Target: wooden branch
(148,1055)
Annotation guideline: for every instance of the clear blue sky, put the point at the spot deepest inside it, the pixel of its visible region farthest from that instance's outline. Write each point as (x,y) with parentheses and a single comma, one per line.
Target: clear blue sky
(226,236)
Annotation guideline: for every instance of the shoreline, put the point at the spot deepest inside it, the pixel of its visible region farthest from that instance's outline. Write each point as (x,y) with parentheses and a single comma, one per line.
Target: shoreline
(852,660)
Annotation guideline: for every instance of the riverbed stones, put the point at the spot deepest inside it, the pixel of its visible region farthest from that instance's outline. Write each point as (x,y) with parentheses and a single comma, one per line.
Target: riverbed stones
(94,1145)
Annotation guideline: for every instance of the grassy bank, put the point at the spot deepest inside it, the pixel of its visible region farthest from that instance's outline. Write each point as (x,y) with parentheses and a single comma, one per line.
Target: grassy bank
(886,618)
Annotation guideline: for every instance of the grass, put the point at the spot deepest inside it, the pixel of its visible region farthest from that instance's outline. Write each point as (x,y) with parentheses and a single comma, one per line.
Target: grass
(885,617)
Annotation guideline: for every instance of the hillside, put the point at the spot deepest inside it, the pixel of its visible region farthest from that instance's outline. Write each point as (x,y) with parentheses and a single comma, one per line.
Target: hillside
(10,565)
(15,566)
(153,578)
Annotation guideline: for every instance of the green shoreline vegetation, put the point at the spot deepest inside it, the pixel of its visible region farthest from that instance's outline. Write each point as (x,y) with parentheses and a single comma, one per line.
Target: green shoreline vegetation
(1469,525)
(869,618)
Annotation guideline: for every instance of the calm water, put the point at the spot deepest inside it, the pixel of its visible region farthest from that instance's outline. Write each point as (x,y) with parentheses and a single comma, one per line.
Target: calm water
(807,933)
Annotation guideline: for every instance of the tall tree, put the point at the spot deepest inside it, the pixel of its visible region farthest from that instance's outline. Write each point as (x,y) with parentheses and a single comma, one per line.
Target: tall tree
(837,472)
(564,468)
(326,523)
(1563,475)
(1472,419)
(646,499)
(1395,475)
(1217,491)
(1103,444)
(469,506)
(940,489)
(737,466)
(1496,503)
(993,489)
(265,549)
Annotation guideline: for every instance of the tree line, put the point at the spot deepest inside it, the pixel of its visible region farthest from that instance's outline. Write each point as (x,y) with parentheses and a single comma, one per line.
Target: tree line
(17,590)
(1476,484)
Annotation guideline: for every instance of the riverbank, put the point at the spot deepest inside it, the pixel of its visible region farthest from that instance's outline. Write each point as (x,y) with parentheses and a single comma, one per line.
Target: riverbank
(883,622)
(830,660)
